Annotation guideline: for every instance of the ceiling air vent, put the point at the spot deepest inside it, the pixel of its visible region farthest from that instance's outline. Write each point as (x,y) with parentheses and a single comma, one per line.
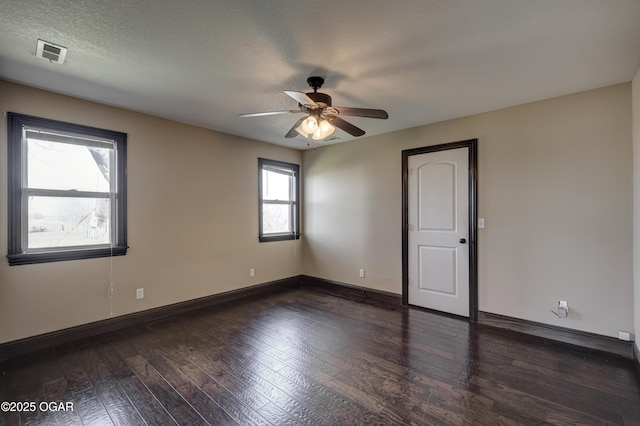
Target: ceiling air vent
(51,52)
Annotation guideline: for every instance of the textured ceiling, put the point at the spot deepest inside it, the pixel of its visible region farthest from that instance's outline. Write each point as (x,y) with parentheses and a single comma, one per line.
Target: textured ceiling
(204,62)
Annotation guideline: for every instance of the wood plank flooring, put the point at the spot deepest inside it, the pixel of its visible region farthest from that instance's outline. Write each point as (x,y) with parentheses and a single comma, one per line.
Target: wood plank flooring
(304,357)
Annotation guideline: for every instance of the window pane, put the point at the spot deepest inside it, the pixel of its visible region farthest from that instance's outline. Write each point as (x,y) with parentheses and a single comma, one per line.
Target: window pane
(67,222)
(276,218)
(276,186)
(63,166)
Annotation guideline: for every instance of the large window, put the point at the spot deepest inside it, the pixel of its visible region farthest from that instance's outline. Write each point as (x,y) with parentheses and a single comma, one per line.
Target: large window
(67,191)
(278,200)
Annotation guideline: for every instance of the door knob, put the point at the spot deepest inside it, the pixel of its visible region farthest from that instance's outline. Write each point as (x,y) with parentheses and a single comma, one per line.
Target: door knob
(463,241)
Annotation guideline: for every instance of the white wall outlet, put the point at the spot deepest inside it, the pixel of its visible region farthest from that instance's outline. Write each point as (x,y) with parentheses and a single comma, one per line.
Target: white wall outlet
(481,223)
(623,335)
(140,293)
(252,272)
(361,273)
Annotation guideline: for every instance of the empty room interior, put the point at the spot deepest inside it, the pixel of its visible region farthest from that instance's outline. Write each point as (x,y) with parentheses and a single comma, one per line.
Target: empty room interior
(293,212)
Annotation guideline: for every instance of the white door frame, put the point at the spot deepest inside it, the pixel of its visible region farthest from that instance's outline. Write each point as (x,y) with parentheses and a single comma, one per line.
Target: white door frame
(473,218)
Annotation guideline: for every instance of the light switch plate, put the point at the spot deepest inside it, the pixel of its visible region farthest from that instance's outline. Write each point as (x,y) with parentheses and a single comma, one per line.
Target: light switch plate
(481,223)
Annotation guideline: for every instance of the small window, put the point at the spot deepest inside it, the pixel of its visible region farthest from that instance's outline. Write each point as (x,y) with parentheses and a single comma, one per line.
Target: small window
(67,191)
(278,200)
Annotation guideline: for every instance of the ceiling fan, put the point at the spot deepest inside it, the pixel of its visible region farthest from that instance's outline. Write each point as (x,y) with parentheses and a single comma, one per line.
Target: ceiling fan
(321,115)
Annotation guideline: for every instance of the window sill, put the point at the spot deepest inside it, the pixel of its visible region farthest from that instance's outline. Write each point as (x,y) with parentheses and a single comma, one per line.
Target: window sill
(58,256)
(279,237)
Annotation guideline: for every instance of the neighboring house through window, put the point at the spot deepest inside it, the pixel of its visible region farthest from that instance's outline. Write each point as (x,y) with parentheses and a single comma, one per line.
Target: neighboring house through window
(278,200)
(67,191)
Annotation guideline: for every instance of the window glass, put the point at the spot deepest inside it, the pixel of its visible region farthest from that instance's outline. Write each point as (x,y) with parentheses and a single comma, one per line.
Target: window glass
(276,218)
(67,222)
(276,185)
(54,165)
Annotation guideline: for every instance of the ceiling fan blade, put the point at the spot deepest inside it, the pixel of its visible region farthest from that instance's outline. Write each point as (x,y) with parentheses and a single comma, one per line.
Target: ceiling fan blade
(345,125)
(301,98)
(292,133)
(362,112)
(261,114)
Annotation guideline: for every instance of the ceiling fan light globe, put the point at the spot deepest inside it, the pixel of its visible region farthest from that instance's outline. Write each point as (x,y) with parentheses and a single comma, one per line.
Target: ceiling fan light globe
(309,125)
(326,128)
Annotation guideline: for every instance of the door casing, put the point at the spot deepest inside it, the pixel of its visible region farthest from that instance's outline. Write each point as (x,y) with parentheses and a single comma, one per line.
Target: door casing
(471,144)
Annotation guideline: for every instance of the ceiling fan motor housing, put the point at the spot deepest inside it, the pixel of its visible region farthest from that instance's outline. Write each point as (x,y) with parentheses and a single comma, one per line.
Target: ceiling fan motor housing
(320,98)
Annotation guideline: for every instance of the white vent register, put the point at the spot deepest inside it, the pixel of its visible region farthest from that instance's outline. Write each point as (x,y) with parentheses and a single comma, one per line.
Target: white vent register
(50,51)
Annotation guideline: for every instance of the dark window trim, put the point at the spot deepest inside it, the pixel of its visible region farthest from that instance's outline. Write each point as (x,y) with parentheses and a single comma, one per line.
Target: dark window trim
(16,255)
(296,190)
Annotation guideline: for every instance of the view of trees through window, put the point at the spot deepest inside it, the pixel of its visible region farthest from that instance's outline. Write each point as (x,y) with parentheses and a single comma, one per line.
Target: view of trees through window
(69,193)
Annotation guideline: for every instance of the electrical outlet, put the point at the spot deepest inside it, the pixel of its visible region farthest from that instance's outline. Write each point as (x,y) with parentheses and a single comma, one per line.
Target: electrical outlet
(140,293)
(361,273)
(252,272)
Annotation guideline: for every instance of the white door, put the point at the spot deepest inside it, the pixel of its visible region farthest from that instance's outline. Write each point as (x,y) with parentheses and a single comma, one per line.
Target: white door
(438,214)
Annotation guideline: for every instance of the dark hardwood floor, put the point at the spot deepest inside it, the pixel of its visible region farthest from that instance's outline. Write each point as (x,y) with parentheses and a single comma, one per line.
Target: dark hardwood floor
(307,357)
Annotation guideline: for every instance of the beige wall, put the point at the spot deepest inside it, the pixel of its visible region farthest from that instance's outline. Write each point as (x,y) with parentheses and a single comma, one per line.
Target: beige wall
(636,199)
(555,189)
(192,222)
